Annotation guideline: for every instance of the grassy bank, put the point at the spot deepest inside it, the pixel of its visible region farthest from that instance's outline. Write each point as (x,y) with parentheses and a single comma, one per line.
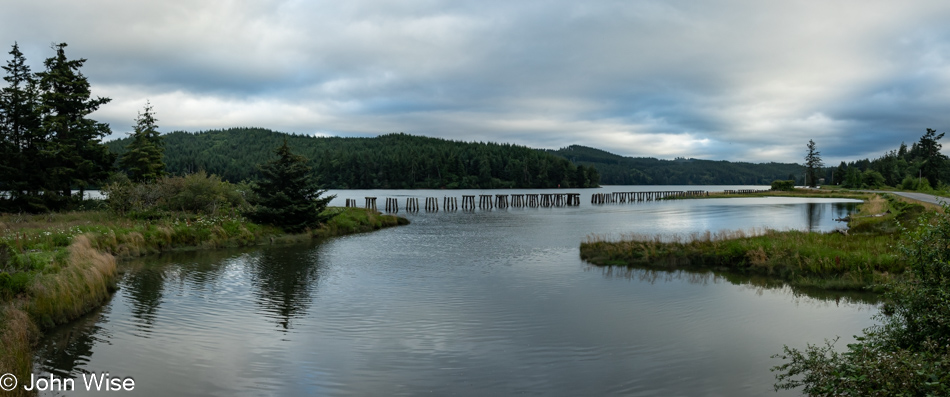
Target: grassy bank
(56,267)
(864,256)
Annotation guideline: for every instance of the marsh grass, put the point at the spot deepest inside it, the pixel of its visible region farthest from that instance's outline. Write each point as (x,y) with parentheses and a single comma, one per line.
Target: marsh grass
(56,267)
(842,261)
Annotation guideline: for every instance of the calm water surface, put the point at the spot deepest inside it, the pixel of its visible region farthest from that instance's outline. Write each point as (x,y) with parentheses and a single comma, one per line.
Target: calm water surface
(459,303)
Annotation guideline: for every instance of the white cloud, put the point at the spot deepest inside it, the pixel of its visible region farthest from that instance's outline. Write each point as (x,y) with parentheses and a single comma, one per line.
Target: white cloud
(724,79)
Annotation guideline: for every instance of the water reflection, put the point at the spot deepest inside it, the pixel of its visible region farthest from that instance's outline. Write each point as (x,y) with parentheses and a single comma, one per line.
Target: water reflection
(757,283)
(284,279)
(66,350)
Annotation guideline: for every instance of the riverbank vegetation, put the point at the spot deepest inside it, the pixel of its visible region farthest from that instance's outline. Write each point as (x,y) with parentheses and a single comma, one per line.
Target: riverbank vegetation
(908,354)
(861,257)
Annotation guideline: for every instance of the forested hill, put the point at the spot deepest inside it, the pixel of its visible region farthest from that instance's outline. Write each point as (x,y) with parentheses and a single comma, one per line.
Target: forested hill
(619,170)
(394,161)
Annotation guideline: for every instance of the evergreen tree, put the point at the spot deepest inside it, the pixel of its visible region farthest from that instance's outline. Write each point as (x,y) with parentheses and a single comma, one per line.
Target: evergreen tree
(288,194)
(75,154)
(143,158)
(20,128)
(813,164)
(933,160)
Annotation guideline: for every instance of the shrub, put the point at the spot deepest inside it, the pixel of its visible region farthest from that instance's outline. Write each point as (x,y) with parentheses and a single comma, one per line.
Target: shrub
(788,185)
(909,353)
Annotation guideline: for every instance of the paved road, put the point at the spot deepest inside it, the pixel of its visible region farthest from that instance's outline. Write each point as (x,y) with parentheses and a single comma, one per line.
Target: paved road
(927,198)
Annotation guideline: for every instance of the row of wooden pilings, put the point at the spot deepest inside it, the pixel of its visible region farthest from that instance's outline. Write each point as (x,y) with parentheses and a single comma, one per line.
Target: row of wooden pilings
(486,201)
(630,197)
(744,191)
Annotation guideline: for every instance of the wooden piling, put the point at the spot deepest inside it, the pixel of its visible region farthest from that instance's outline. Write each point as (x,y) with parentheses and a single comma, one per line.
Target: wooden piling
(371,203)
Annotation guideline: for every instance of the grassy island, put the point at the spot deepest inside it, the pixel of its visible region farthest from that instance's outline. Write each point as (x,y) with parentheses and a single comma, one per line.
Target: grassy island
(863,256)
(60,266)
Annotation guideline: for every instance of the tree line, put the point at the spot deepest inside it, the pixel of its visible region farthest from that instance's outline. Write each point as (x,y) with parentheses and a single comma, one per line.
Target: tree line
(392,161)
(918,167)
(619,170)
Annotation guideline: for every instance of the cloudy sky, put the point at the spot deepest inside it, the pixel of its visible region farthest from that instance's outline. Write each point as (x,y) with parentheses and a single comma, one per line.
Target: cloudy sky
(746,80)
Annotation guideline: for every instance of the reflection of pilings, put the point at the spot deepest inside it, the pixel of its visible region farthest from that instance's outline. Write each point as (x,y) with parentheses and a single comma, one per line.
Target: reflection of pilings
(392,204)
(468,202)
(484,201)
(371,203)
(412,204)
(450,203)
(501,200)
(351,203)
(517,200)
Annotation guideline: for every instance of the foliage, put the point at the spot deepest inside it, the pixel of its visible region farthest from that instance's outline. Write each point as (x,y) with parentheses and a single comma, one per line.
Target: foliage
(909,353)
(618,170)
(921,167)
(288,195)
(45,125)
(393,161)
(813,164)
(197,193)
(788,185)
(933,160)
(143,159)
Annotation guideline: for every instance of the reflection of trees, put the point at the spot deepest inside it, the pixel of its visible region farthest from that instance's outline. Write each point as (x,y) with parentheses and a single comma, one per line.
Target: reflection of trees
(144,289)
(759,283)
(285,278)
(64,350)
(813,212)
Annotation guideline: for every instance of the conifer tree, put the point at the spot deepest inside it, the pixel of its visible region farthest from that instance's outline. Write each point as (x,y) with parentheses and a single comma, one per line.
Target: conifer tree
(288,194)
(19,127)
(75,155)
(143,158)
(813,164)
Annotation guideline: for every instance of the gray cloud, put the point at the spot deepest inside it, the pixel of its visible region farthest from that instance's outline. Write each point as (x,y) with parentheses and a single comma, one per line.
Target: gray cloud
(726,79)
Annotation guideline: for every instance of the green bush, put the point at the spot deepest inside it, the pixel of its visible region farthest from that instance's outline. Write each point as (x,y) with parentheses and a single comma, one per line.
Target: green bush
(781,185)
(909,353)
(197,193)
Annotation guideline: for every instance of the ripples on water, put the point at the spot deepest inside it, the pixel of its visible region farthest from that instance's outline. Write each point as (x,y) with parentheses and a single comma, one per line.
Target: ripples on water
(483,303)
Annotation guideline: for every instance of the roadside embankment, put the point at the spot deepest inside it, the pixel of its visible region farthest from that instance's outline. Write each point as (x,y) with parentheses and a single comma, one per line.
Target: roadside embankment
(864,256)
(57,267)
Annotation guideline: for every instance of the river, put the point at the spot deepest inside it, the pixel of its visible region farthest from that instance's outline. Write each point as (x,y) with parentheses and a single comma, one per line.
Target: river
(468,303)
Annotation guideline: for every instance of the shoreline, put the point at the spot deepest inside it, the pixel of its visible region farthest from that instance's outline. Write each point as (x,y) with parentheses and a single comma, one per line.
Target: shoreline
(860,259)
(80,276)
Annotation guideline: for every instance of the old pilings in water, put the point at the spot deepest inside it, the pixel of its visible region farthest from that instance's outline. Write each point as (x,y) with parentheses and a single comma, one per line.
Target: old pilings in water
(392,205)
(744,191)
(532,200)
(468,202)
(450,203)
(351,203)
(630,197)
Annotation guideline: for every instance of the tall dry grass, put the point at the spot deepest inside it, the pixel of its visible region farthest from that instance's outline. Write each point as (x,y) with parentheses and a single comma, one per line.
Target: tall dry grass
(17,333)
(82,285)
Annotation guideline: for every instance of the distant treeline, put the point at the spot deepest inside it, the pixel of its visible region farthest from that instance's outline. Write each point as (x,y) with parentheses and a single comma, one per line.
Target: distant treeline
(393,161)
(619,170)
(920,167)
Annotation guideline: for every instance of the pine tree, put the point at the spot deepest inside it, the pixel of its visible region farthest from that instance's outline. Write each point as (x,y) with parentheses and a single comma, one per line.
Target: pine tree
(288,194)
(143,158)
(75,155)
(812,164)
(20,128)
(933,159)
